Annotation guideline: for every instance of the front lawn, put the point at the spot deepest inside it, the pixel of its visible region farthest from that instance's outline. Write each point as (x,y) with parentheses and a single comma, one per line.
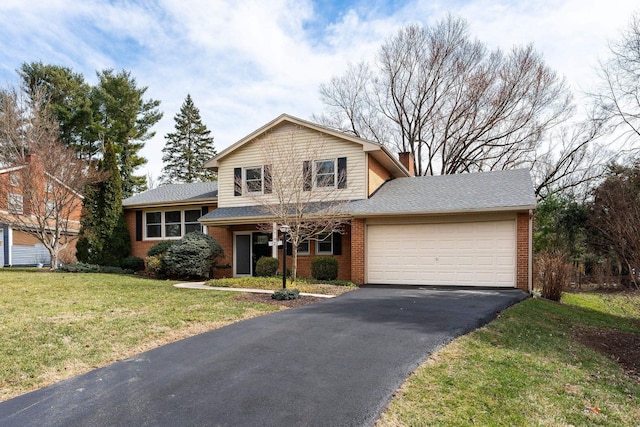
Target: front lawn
(56,325)
(529,367)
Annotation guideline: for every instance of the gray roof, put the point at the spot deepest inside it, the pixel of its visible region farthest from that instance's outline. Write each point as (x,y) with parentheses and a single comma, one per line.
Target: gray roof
(470,192)
(175,193)
(498,190)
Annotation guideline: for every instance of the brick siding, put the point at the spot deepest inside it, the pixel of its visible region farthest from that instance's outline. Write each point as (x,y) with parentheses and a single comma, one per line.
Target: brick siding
(522,252)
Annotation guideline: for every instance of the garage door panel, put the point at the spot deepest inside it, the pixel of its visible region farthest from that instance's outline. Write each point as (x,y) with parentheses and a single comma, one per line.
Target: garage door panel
(467,254)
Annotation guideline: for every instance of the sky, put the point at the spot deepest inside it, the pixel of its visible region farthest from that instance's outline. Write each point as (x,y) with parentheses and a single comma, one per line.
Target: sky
(245,62)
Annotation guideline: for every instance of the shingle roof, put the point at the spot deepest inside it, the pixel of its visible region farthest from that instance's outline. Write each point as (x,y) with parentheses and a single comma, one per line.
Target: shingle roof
(495,190)
(173,193)
(471,192)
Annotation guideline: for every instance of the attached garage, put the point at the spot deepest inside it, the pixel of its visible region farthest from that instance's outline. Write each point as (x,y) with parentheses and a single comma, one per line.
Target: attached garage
(450,253)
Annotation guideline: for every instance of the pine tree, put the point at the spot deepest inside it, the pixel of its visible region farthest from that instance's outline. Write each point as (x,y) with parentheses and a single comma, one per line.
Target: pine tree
(104,238)
(188,148)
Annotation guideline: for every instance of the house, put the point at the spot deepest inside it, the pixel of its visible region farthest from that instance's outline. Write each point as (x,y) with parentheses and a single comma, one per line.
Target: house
(167,212)
(462,230)
(24,213)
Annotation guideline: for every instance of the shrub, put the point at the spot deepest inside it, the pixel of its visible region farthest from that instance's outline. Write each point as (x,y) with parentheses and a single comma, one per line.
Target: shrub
(286,294)
(267,267)
(82,267)
(553,274)
(155,264)
(160,248)
(324,268)
(132,263)
(192,256)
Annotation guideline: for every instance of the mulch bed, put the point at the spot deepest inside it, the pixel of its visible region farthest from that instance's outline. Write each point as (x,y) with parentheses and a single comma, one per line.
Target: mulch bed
(622,347)
(266,299)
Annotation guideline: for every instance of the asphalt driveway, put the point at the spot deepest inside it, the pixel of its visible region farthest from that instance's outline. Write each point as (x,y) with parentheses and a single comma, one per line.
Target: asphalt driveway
(336,362)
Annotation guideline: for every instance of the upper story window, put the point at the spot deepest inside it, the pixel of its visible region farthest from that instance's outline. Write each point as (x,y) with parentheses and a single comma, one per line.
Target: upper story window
(14,179)
(253,179)
(15,203)
(172,224)
(48,187)
(325,174)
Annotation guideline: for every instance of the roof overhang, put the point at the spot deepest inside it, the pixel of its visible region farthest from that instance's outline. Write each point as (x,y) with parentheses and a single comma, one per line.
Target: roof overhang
(198,202)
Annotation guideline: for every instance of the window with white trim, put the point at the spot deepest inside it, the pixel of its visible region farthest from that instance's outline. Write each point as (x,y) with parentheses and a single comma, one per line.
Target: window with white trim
(153,225)
(324,175)
(48,187)
(303,247)
(191,220)
(253,179)
(14,179)
(15,203)
(171,224)
(324,244)
(49,207)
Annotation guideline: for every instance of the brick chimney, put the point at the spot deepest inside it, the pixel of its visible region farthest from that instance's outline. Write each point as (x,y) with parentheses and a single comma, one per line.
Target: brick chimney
(407,161)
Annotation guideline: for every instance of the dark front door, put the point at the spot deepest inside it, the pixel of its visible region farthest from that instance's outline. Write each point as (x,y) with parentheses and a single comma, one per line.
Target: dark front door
(261,248)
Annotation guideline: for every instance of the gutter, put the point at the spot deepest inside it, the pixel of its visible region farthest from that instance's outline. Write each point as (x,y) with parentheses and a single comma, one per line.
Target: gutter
(170,204)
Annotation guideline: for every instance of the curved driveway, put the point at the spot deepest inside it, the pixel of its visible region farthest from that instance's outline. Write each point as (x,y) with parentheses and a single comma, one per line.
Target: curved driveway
(336,362)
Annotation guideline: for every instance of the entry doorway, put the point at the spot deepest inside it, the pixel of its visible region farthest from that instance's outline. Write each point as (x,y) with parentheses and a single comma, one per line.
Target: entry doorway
(249,247)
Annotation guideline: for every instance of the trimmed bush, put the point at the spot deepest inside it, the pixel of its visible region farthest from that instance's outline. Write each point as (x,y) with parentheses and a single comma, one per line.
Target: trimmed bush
(92,268)
(192,256)
(286,294)
(324,268)
(132,263)
(160,248)
(267,267)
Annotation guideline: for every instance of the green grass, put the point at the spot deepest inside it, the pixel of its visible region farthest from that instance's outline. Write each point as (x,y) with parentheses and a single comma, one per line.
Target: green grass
(275,283)
(56,325)
(525,368)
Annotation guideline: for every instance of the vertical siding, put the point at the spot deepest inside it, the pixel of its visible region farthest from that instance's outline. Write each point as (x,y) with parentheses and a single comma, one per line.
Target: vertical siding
(310,143)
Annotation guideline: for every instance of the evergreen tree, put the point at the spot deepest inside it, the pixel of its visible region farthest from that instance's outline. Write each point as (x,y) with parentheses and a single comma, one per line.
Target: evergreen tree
(124,119)
(67,97)
(104,238)
(188,148)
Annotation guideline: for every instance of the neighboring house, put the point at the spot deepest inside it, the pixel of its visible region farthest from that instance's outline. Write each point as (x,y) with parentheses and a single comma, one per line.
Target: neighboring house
(167,212)
(463,230)
(18,248)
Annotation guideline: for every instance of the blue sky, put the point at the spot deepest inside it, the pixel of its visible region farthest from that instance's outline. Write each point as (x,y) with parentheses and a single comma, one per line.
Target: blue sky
(247,61)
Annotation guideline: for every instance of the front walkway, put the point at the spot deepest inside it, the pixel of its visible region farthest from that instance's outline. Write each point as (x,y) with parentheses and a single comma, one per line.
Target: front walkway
(336,362)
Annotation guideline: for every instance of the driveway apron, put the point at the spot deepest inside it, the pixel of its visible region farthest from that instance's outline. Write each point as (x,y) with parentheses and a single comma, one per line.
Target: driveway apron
(337,362)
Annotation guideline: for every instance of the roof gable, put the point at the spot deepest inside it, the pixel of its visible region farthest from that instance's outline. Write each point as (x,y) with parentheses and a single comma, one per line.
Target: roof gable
(382,154)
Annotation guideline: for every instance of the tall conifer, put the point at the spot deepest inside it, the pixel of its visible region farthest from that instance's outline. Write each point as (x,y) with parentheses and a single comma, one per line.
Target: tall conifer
(188,148)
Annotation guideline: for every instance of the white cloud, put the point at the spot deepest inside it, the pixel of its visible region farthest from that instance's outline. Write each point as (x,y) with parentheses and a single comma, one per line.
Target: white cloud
(245,62)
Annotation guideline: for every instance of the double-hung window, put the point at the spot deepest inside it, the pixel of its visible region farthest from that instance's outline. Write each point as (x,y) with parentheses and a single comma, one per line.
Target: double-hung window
(325,174)
(253,179)
(303,247)
(173,224)
(154,225)
(15,203)
(324,244)
(191,221)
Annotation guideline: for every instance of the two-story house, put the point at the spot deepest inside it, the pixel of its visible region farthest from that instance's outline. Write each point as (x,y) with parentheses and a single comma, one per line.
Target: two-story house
(470,229)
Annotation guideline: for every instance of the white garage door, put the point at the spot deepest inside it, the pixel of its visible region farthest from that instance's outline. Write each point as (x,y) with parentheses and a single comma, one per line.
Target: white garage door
(453,254)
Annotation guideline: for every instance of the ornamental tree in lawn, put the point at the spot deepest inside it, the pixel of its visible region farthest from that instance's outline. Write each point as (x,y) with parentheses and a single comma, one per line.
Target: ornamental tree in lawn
(188,148)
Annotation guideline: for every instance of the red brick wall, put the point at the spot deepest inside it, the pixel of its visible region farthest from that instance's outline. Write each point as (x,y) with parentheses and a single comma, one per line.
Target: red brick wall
(522,254)
(224,236)
(140,248)
(357,251)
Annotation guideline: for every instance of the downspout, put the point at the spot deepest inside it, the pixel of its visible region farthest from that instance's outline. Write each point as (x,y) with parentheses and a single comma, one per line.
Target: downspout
(530,261)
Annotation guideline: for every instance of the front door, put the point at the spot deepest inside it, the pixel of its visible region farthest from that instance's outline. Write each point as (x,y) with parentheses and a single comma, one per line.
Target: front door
(248,249)
(261,248)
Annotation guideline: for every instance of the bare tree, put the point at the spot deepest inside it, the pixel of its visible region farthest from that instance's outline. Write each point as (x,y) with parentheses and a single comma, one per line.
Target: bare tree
(614,220)
(43,198)
(310,204)
(619,96)
(456,106)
